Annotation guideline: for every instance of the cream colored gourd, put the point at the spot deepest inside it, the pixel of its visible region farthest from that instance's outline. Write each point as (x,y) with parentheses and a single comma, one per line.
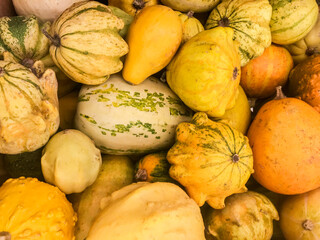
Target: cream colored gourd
(46,10)
(147,211)
(70,161)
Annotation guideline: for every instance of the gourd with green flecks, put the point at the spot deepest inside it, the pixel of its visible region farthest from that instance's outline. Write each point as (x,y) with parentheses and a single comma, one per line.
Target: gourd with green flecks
(292,20)
(211,160)
(250,21)
(124,119)
(85,42)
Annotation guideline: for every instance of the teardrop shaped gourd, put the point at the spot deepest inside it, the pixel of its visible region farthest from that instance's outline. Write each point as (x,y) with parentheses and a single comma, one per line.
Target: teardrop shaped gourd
(31,209)
(250,21)
(85,42)
(154,37)
(29,112)
(205,73)
(211,160)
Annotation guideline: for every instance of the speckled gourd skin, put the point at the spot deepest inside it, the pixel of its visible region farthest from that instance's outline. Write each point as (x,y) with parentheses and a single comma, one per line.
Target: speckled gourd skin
(211,160)
(34,210)
(29,112)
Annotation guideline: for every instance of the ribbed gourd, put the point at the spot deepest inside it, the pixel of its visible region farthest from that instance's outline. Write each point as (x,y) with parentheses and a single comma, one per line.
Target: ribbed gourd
(85,42)
(250,21)
(211,160)
(29,112)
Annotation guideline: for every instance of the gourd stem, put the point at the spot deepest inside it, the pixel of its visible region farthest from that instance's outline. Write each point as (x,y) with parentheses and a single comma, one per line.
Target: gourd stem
(5,236)
(55,40)
(138,4)
(1,71)
(307,225)
(235,73)
(190,14)
(224,22)
(310,51)
(141,175)
(279,94)
(27,62)
(235,158)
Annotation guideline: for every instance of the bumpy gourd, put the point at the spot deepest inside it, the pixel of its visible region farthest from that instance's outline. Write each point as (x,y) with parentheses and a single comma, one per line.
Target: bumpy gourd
(146,211)
(191,5)
(34,210)
(85,42)
(211,160)
(205,73)
(250,21)
(70,161)
(29,112)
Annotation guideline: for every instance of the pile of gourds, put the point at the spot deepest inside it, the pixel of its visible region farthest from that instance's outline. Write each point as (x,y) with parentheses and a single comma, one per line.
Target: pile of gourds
(171,119)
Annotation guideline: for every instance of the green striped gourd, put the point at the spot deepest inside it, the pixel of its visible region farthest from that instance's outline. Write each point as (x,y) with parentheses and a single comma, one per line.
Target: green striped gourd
(28,108)
(21,39)
(211,160)
(124,119)
(250,20)
(292,19)
(85,42)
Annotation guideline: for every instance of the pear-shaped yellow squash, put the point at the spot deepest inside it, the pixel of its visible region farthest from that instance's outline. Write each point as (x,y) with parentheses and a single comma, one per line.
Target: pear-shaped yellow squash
(205,73)
(153,38)
(211,160)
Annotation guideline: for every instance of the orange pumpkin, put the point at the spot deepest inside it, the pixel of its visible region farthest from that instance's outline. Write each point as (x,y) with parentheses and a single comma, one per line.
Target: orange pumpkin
(285,140)
(304,81)
(261,76)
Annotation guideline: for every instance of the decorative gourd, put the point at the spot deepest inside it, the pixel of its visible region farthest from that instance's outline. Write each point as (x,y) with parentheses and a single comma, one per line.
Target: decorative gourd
(22,40)
(126,18)
(211,160)
(31,210)
(299,216)
(115,173)
(149,211)
(154,37)
(261,76)
(29,112)
(85,42)
(304,81)
(292,20)
(70,161)
(247,215)
(153,167)
(190,25)
(46,10)
(250,21)
(125,119)
(67,109)
(238,117)
(191,5)
(7,8)
(205,73)
(132,7)
(306,47)
(285,137)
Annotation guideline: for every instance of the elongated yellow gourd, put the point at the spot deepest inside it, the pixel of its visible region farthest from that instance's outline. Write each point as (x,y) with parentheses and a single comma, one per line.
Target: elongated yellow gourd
(154,37)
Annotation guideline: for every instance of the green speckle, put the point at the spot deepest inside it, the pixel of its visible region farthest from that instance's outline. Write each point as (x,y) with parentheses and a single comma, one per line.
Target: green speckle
(157,137)
(88,118)
(113,134)
(164,130)
(103,133)
(101,98)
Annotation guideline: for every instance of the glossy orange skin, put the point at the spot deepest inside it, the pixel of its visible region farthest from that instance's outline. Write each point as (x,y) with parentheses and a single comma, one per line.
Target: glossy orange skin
(285,140)
(261,76)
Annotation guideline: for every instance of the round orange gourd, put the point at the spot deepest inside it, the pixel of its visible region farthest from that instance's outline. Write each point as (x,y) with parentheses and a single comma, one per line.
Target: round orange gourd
(300,216)
(285,140)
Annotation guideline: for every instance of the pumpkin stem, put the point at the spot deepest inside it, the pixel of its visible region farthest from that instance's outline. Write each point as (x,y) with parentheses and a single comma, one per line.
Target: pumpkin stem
(224,22)
(310,51)
(5,236)
(307,225)
(279,94)
(190,14)
(235,73)
(235,158)
(138,4)
(141,175)
(55,40)
(27,62)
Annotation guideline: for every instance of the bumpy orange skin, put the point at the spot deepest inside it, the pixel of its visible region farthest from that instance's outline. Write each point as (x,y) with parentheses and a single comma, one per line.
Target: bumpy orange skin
(285,140)
(261,76)
(304,81)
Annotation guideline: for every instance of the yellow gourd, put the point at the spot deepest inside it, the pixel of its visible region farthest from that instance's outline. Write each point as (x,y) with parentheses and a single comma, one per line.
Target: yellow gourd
(153,38)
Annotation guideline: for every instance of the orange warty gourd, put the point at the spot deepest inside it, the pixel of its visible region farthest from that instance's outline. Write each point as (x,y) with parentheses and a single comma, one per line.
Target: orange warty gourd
(285,140)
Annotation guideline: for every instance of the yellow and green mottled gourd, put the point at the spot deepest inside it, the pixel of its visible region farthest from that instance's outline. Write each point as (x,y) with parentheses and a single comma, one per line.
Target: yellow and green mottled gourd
(250,21)
(292,20)
(205,73)
(85,42)
(211,160)
(35,210)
